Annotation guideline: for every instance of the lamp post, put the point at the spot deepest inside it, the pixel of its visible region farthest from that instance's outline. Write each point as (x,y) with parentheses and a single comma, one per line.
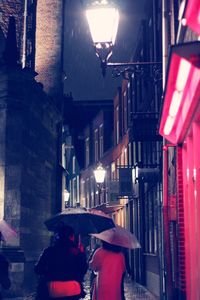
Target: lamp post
(99,174)
(103,20)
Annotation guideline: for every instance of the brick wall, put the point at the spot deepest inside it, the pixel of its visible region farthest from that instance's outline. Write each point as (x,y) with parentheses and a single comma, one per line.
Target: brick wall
(12,8)
(49,45)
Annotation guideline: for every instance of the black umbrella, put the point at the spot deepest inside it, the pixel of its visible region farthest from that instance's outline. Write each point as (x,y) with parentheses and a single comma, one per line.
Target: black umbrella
(81,220)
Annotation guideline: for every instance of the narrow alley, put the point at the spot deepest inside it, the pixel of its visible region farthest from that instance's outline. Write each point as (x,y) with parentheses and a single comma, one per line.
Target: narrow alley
(99,132)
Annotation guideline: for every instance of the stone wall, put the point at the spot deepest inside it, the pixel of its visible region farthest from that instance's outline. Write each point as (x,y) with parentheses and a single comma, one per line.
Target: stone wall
(29,170)
(29,122)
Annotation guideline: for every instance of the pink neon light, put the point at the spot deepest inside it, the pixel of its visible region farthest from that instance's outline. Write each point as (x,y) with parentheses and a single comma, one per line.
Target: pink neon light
(192,15)
(190,92)
(183,73)
(175,103)
(182,96)
(168,125)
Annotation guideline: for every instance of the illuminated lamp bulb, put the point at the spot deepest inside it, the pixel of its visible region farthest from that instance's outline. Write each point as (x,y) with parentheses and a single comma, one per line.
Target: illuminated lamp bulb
(103,23)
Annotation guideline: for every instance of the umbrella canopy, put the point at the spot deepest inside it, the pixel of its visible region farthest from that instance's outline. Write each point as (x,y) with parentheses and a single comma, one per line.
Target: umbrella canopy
(119,236)
(99,212)
(81,220)
(7,234)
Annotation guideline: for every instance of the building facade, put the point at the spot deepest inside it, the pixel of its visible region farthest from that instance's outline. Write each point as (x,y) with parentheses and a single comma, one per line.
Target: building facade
(179,126)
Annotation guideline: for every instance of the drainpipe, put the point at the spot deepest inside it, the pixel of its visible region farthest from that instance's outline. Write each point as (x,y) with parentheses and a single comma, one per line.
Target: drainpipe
(24,35)
(166,260)
(165,38)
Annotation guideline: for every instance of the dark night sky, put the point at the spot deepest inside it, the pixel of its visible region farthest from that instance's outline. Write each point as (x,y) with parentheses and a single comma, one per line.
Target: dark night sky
(82,68)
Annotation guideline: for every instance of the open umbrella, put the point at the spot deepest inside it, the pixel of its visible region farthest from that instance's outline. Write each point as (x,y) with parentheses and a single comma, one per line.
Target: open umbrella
(7,233)
(118,236)
(81,220)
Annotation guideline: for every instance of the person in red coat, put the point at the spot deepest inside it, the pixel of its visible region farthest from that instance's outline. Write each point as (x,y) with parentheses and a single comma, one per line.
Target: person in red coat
(62,268)
(108,263)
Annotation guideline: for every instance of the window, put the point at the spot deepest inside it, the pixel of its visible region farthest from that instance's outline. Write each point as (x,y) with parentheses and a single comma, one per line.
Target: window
(134,153)
(83,193)
(150,213)
(125,112)
(117,124)
(96,145)
(113,171)
(129,108)
(88,193)
(139,151)
(129,154)
(92,189)
(118,166)
(63,156)
(74,194)
(125,157)
(74,165)
(87,152)
(101,142)
(122,158)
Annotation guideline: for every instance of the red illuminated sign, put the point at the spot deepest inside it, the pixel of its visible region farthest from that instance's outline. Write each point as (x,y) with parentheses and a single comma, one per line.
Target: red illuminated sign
(182,92)
(192,15)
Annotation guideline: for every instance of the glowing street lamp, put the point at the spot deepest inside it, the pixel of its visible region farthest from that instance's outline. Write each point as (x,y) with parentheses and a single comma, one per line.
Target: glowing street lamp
(99,174)
(103,20)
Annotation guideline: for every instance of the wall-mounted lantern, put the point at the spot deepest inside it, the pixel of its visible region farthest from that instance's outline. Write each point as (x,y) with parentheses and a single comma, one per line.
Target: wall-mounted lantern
(103,20)
(99,174)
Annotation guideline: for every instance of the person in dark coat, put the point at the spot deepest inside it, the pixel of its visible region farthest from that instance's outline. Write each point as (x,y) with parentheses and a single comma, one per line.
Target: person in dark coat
(61,268)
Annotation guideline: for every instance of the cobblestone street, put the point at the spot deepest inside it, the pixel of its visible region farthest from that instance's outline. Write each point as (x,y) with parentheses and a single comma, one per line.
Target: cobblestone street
(132,291)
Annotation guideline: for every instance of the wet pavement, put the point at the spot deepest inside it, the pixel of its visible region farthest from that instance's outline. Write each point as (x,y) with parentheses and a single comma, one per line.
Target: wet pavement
(136,291)
(132,290)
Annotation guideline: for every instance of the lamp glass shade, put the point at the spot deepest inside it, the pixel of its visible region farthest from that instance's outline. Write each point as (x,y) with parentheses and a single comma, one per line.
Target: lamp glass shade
(99,174)
(103,23)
